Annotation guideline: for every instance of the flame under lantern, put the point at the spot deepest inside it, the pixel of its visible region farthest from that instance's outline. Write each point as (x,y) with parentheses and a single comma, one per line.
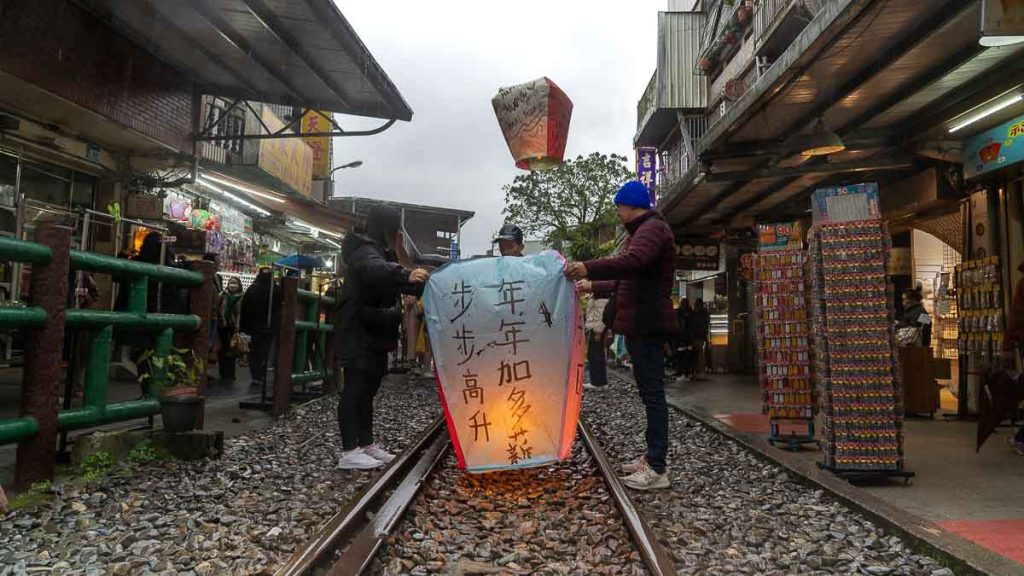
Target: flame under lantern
(534,117)
(507,338)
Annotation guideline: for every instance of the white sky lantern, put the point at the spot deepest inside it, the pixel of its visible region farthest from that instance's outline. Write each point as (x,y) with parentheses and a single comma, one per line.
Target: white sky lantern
(534,118)
(507,338)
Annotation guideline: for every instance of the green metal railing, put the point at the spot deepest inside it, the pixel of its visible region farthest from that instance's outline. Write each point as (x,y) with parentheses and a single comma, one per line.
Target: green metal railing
(308,322)
(100,326)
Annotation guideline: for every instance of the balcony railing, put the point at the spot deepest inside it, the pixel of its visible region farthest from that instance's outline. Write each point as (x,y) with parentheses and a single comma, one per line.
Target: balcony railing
(676,159)
(766,13)
(647,102)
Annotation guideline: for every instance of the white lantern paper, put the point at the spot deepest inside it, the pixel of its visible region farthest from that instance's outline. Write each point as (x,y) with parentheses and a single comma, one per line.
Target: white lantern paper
(507,338)
(534,118)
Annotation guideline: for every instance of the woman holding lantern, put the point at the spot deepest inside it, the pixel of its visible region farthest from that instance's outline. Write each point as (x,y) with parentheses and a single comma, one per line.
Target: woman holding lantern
(367,328)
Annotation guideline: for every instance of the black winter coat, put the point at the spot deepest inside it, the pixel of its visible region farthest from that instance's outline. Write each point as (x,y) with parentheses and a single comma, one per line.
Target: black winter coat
(368,317)
(253,314)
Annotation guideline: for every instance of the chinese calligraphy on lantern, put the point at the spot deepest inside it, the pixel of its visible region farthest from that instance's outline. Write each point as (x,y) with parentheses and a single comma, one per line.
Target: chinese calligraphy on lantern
(509,359)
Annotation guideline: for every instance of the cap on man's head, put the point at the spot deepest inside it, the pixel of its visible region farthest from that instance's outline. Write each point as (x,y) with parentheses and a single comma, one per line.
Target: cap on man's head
(635,194)
(509,232)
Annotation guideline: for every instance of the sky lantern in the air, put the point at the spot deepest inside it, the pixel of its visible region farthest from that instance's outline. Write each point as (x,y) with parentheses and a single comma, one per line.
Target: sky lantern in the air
(507,338)
(534,118)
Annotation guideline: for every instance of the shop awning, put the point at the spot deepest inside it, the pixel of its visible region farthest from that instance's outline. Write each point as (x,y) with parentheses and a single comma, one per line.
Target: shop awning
(310,213)
(887,77)
(298,53)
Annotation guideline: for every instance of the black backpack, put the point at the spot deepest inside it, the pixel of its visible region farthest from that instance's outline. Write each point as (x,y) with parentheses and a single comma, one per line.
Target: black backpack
(608,316)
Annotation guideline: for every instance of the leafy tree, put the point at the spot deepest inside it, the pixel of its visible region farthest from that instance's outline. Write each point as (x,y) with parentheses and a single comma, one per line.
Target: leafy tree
(569,204)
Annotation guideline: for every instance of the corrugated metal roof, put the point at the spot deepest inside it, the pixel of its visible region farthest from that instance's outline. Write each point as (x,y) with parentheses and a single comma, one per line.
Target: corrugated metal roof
(678,47)
(293,52)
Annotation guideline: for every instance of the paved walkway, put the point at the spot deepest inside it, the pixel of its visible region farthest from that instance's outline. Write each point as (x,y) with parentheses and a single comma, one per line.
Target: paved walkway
(977,495)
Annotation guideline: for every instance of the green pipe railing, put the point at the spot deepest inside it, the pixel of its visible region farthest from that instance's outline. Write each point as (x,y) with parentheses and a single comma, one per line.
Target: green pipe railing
(101,324)
(304,369)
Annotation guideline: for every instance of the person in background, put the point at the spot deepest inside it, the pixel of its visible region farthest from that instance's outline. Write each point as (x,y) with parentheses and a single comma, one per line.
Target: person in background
(510,240)
(367,322)
(597,341)
(701,321)
(915,316)
(644,272)
(684,344)
(254,320)
(229,310)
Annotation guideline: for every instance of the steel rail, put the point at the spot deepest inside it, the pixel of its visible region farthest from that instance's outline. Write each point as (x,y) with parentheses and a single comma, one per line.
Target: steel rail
(657,559)
(360,528)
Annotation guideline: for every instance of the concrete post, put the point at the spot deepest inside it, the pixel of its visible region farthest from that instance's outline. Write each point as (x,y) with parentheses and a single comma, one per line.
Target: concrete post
(201,304)
(40,396)
(286,345)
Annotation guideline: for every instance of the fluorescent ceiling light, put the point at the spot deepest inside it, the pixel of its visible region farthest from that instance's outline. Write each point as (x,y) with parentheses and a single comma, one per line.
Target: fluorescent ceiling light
(993,41)
(241,201)
(241,188)
(319,230)
(985,113)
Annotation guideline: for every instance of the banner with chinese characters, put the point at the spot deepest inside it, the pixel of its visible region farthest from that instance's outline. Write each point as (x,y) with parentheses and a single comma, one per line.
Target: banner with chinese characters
(507,338)
(647,171)
(314,122)
(995,148)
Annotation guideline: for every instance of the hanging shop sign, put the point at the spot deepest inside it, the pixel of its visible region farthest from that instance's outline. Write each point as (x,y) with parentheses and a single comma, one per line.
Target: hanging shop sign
(647,171)
(144,207)
(698,256)
(314,122)
(994,149)
(534,118)
(288,159)
(507,338)
(853,203)
(780,235)
(1002,22)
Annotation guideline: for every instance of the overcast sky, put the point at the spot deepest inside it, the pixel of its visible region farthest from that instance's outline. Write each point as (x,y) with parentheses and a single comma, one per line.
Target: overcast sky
(449,57)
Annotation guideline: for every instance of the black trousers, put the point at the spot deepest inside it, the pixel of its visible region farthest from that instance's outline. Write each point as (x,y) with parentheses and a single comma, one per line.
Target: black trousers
(259,355)
(355,407)
(225,359)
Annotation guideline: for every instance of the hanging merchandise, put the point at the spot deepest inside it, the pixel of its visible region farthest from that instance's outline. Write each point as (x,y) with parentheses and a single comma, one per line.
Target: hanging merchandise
(853,341)
(784,369)
(982,321)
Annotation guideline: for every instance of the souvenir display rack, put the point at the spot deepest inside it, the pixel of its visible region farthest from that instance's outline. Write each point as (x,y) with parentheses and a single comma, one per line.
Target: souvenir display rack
(854,350)
(784,367)
(982,322)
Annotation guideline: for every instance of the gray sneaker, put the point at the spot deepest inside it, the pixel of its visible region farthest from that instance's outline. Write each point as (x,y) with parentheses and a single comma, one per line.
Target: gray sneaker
(647,479)
(635,465)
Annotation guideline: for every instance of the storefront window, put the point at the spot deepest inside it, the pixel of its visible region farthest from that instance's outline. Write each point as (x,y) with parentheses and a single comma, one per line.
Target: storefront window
(83,191)
(8,179)
(46,183)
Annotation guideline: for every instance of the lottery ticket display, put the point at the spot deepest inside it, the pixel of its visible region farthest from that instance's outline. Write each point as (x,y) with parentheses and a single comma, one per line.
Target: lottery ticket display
(782,341)
(854,348)
(507,337)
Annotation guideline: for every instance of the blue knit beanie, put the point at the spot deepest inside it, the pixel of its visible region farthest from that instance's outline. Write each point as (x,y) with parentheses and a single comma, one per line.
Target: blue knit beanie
(633,193)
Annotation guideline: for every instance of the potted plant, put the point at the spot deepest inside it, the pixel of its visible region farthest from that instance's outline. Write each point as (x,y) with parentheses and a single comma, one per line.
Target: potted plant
(730,38)
(706,64)
(178,392)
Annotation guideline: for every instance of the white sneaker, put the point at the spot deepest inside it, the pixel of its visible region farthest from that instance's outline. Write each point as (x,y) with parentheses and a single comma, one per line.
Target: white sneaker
(646,479)
(358,460)
(635,465)
(375,452)
(589,386)
(683,378)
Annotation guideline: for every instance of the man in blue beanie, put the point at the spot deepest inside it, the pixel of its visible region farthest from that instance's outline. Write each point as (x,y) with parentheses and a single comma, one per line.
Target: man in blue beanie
(640,278)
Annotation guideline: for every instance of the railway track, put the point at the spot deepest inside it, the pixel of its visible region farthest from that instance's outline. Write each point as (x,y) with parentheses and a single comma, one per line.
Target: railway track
(349,541)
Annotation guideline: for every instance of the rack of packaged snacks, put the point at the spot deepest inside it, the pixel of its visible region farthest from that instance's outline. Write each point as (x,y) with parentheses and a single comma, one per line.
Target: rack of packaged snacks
(982,321)
(855,365)
(784,367)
